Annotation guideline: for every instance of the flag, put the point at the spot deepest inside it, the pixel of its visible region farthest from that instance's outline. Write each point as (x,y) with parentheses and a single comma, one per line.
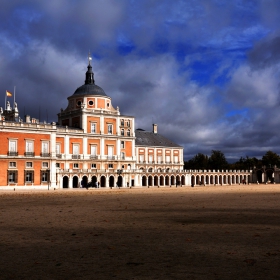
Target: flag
(8,93)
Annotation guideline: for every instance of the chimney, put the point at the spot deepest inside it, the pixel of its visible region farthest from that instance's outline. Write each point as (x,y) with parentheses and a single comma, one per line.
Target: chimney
(27,119)
(155,128)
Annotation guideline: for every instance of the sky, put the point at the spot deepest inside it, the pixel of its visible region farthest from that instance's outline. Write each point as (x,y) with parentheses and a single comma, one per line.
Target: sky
(207,72)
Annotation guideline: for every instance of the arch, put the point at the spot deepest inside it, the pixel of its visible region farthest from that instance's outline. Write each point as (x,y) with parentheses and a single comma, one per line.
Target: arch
(193,180)
(94,181)
(84,181)
(102,181)
(224,179)
(156,181)
(150,180)
(161,180)
(197,180)
(183,180)
(229,179)
(65,182)
(75,181)
(220,179)
(166,180)
(172,180)
(144,181)
(233,180)
(216,179)
(207,179)
(211,179)
(202,181)
(178,180)
(111,181)
(120,181)
(150,169)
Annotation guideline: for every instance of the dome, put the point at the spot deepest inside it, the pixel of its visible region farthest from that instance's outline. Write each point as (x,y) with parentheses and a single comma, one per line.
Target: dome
(89,89)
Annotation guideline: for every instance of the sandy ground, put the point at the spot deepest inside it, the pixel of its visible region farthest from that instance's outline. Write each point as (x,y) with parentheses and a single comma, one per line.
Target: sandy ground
(229,232)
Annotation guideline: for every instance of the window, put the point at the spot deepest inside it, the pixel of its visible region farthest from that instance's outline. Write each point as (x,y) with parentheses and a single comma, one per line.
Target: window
(90,103)
(128,123)
(45,164)
(122,132)
(150,159)
(122,122)
(57,148)
(29,148)
(12,164)
(57,165)
(76,151)
(79,103)
(110,129)
(110,165)
(141,158)
(122,144)
(93,127)
(29,164)
(110,152)
(128,133)
(159,159)
(122,155)
(12,176)
(93,150)
(45,149)
(44,177)
(93,165)
(28,176)
(76,165)
(12,148)
(167,159)
(176,159)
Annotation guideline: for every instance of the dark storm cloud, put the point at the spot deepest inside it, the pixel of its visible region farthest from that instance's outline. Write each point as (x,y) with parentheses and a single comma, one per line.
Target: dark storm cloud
(207,72)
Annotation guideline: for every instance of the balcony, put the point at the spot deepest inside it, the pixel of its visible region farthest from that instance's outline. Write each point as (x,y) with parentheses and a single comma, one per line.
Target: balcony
(29,154)
(111,157)
(13,154)
(93,157)
(45,154)
(59,155)
(76,156)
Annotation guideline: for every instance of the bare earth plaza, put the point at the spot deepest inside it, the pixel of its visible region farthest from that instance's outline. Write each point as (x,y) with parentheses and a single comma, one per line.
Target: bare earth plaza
(205,232)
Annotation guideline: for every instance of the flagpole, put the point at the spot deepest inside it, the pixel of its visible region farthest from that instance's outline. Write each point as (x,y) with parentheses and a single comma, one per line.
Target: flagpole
(14,95)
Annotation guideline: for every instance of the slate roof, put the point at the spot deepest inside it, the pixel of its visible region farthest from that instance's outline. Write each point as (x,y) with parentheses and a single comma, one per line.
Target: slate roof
(148,138)
(89,89)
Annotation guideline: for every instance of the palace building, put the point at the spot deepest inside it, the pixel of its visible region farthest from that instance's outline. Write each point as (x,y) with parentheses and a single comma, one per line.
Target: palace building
(92,142)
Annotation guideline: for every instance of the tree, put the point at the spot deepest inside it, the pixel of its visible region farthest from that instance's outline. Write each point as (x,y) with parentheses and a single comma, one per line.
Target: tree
(199,161)
(270,159)
(217,160)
